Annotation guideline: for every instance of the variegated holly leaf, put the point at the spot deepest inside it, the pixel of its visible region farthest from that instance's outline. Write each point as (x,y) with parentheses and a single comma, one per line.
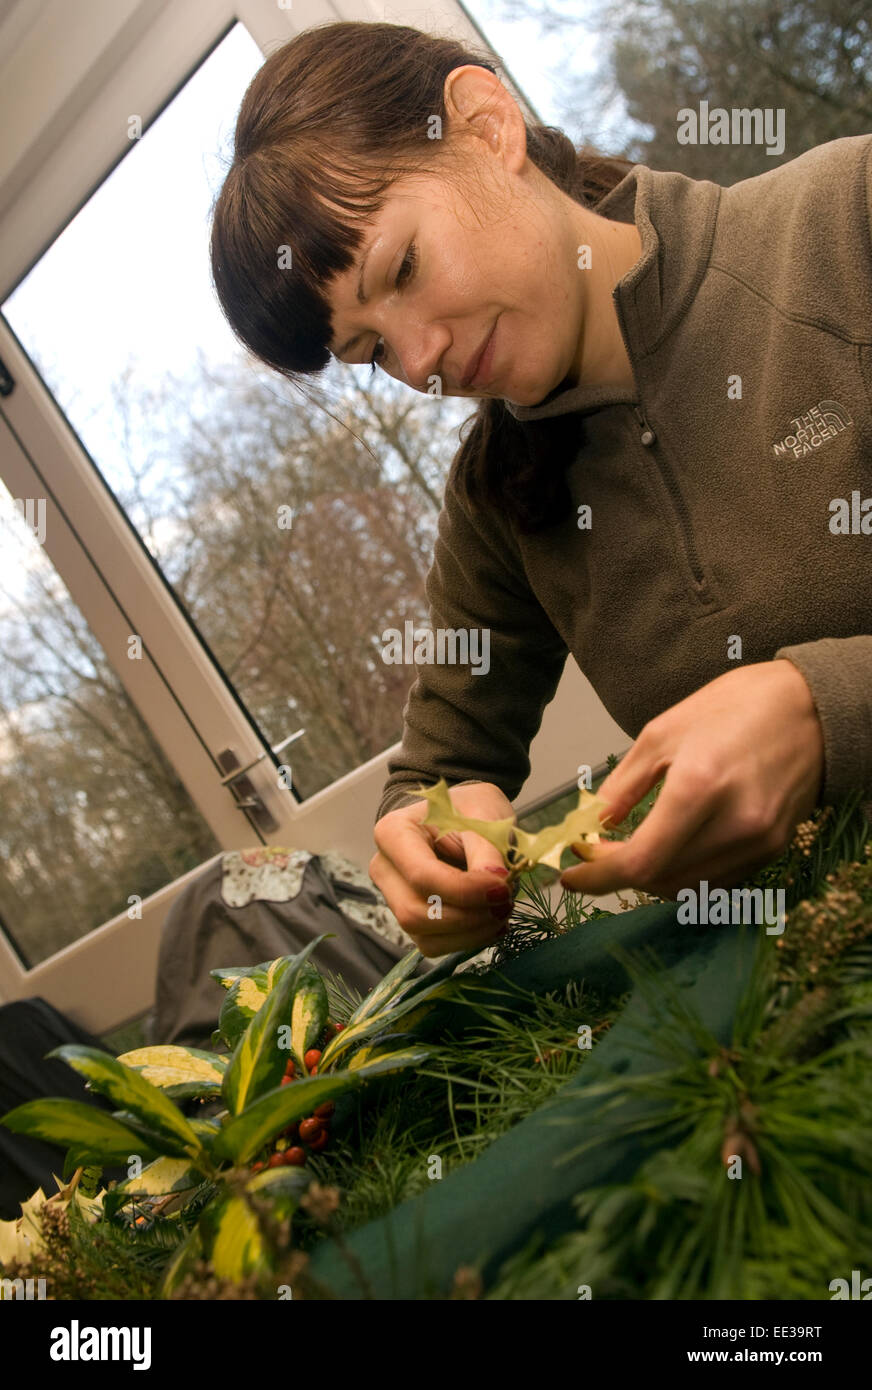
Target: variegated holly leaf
(142,1106)
(387,987)
(544,847)
(227,975)
(243,1135)
(234,1239)
(21,1239)
(89,1134)
(182,1262)
(258,1062)
(444,816)
(579,825)
(381,1047)
(161,1177)
(182,1072)
(246,992)
(309,1011)
(384,1019)
(158,1179)
(284,1186)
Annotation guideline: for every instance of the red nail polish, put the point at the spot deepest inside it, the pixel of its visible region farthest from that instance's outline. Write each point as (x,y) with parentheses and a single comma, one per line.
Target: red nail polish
(497,869)
(498,895)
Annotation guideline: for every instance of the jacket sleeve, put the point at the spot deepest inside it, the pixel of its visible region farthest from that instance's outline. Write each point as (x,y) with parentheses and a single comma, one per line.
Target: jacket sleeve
(457,724)
(838,672)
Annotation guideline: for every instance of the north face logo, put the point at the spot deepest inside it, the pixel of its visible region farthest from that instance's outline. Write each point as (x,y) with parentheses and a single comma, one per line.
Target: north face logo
(808,432)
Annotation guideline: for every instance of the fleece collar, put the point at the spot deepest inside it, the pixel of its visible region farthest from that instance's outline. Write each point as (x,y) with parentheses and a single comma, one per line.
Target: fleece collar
(675,216)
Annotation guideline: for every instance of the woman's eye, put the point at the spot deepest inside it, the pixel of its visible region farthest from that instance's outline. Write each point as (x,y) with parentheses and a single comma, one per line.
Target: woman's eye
(376,356)
(410,261)
(404,274)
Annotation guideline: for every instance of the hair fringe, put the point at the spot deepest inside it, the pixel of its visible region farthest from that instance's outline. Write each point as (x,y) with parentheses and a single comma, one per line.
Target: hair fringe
(325,127)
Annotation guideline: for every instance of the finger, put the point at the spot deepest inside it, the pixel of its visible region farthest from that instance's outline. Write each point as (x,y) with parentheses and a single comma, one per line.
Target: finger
(724,870)
(410,851)
(481,854)
(453,929)
(720,855)
(424,909)
(721,866)
(432,944)
(450,848)
(583,849)
(637,772)
(650,851)
(706,859)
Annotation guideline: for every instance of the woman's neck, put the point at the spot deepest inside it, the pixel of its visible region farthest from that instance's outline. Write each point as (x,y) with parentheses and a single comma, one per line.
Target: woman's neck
(614,248)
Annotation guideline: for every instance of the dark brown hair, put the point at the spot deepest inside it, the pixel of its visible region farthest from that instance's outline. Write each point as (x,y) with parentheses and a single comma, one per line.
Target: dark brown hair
(327,124)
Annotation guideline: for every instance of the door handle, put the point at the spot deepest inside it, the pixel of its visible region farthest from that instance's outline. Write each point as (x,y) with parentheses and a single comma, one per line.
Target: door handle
(245,794)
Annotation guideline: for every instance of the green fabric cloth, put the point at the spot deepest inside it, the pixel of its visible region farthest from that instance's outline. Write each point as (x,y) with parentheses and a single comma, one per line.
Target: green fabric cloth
(525,1181)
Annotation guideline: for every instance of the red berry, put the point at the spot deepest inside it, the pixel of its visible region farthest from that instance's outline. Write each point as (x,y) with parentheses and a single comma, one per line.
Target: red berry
(324,1111)
(256,1167)
(339,1027)
(289,1067)
(275,1160)
(312,1058)
(294,1156)
(310,1129)
(292,1132)
(286,1081)
(316,1145)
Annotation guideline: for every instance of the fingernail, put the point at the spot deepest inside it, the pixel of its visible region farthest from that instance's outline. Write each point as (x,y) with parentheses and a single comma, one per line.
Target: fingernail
(497,869)
(498,895)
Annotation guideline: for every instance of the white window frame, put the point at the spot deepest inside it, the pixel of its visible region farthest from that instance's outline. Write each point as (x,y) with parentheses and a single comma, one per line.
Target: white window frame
(75,133)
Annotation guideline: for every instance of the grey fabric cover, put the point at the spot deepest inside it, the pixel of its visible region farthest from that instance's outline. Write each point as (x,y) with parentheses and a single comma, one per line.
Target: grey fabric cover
(202,932)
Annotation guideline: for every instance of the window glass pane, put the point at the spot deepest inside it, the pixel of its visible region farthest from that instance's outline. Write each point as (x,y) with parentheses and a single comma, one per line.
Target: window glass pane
(203,448)
(555,56)
(623,77)
(90,812)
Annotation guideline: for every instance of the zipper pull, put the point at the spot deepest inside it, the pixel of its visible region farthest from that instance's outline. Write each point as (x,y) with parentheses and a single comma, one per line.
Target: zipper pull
(648,436)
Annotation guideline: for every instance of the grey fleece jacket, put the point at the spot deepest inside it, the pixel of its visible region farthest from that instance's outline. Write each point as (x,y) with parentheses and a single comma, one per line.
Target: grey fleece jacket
(714,511)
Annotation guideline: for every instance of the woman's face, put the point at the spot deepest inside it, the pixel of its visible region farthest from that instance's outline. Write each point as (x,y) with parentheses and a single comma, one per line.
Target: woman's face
(450,270)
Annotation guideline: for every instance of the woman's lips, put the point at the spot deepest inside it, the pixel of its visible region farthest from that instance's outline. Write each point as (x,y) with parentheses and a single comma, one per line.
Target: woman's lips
(485,360)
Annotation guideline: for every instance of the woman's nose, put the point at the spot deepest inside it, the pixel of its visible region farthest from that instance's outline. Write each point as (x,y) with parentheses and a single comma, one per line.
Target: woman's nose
(418,352)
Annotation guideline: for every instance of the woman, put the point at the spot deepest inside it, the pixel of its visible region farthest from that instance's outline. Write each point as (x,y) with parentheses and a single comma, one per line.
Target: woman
(668,474)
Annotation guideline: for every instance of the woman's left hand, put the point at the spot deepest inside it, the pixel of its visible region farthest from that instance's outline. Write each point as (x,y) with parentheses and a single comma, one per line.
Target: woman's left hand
(744,763)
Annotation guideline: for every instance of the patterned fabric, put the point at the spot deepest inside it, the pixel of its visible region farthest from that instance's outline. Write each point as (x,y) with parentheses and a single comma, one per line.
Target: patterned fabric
(275,874)
(378,917)
(269,872)
(344,871)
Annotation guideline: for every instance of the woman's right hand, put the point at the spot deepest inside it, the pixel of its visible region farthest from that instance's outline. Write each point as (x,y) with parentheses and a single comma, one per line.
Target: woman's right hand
(444,908)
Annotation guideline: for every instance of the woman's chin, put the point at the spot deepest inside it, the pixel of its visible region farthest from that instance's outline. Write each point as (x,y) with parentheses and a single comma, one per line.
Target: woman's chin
(538,396)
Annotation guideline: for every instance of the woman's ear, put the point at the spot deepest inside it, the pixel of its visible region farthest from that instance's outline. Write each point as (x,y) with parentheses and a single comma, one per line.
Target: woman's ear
(477,103)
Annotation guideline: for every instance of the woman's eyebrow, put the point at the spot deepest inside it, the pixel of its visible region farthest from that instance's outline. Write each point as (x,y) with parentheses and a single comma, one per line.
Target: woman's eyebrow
(362,298)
